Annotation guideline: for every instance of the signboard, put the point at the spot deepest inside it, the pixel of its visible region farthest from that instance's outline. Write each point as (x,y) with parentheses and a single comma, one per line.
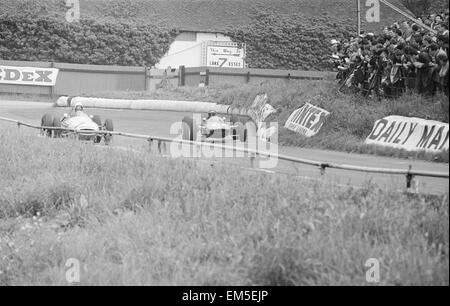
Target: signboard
(28,76)
(411,134)
(307,120)
(224,56)
(260,109)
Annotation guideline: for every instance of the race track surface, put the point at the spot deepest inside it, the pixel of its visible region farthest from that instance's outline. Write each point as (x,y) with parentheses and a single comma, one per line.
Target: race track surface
(159,123)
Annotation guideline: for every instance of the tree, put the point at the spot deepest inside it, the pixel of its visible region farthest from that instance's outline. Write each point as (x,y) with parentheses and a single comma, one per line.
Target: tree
(418,7)
(423,7)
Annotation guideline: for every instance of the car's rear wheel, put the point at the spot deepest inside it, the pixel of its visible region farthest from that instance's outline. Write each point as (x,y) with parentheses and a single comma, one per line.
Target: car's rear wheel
(98,121)
(47,121)
(109,126)
(97,139)
(56,123)
(189,129)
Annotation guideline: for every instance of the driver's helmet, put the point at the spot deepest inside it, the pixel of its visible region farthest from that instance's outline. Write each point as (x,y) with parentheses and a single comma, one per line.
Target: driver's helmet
(211,113)
(78,107)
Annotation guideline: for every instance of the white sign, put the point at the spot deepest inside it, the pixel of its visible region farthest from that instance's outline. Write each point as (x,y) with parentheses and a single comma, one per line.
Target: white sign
(307,120)
(411,134)
(224,56)
(260,109)
(28,75)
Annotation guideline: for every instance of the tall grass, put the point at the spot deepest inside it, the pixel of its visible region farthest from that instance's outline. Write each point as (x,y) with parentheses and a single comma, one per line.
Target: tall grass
(351,120)
(137,218)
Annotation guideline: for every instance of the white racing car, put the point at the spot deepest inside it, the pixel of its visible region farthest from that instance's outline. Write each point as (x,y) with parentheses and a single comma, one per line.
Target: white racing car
(214,129)
(83,126)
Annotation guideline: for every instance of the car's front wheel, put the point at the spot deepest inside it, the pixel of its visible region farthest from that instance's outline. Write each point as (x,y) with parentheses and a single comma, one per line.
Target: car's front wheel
(57,124)
(47,121)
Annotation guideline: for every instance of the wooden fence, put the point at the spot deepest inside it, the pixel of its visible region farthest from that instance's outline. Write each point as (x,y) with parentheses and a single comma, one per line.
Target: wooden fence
(76,79)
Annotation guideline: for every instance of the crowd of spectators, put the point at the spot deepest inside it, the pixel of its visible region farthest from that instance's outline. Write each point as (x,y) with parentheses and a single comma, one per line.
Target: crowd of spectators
(404,56)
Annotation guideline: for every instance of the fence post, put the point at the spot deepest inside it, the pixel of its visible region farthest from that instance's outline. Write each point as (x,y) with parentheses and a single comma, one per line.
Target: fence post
(150,144)
(164,148)
(159,146)
(204,78)
(181,76)
(248,77)
(252,160)
(323,167)
(409,179)
(148,76)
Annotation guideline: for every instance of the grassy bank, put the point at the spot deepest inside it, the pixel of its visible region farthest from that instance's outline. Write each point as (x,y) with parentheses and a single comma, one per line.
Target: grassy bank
(136,218)
(351,120)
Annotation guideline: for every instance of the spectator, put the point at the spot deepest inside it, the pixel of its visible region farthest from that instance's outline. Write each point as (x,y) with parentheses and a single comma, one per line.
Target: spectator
(403,56)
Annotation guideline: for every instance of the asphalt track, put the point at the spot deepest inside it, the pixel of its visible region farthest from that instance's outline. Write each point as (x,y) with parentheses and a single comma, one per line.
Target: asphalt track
(159,124)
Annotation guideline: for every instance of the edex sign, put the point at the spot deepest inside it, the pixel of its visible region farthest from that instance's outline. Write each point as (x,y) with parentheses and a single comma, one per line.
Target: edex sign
(28,76)
(224,57)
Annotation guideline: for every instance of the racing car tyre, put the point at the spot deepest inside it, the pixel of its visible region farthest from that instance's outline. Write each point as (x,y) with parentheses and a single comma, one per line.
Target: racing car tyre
(56,123)
(189,129)
(47,120)
(109,126)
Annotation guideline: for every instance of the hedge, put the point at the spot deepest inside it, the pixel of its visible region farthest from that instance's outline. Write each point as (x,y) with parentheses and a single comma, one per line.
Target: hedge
(291,42)
(273,41)
(85,42)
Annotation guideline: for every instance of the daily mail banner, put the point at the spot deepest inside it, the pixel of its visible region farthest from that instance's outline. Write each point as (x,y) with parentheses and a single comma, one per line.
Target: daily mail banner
(307,120)
(411,134)
(28,76)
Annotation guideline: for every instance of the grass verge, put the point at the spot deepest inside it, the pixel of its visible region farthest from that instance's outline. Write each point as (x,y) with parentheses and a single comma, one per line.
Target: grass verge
(138,219)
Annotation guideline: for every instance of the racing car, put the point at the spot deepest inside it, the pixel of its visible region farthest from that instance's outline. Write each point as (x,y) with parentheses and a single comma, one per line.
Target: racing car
(83,125)
(214,129)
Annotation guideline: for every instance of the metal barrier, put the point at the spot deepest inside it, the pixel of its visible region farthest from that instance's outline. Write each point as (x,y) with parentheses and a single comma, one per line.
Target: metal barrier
(409,174)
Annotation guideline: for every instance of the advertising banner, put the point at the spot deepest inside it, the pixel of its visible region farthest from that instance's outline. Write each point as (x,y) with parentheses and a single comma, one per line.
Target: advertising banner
(307,120)
(260,109)
(28,76)
(411,134)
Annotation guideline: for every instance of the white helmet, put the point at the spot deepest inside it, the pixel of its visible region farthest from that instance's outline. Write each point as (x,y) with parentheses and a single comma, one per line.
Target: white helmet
(78,106)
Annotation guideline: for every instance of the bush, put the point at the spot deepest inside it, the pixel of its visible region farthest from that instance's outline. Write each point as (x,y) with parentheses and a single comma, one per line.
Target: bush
(34,38)
(421,7)
(291,42)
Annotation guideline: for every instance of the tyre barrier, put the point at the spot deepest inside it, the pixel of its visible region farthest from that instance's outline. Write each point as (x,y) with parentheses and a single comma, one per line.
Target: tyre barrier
(156,105)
